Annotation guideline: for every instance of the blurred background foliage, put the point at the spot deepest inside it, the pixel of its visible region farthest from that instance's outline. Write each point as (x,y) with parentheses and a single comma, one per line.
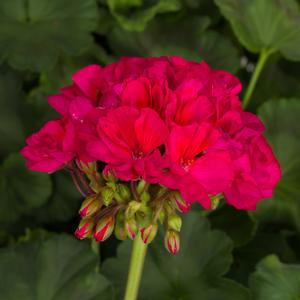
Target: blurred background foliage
(226,254)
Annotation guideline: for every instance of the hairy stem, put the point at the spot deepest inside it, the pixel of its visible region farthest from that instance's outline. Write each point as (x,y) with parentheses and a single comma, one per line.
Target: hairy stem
(264,55)
(136,268)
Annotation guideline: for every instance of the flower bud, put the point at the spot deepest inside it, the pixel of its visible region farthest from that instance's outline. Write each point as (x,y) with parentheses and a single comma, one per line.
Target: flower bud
(108,176)
(172,241)
(148,233)
(104,228)
(145,197)
(123,191)
(84,229)
(120,231)
(215,201)
(131,228)
(141,186)
(90,206)
(107,194)
(132,208)
(179,203)
(174,222)
(144,216)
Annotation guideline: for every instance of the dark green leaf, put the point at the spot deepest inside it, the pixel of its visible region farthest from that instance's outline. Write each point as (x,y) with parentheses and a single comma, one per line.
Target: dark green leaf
(273,280)
(168,36)
(33,33)
(56,268)
(135,14)
(281,118)
(196,272)
(64,203)
(265,24)
(238,224)
(11,128)
(21,191)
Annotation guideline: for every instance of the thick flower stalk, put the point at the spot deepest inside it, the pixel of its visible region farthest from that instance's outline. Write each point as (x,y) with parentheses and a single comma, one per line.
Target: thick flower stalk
(144,138)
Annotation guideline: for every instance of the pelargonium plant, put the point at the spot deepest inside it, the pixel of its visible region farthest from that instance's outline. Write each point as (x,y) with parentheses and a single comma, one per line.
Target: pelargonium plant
(143,139)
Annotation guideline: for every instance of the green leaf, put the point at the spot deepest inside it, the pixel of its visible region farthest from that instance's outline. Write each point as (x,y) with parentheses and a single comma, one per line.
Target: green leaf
(281,118)
(21,190)
(273,280)
(135,14)
(64,202)
(168,36)
(265,24)
(56,268)
(33,33)
(280,71)
(237,224)
(196,272)
(11,127)
(263,244)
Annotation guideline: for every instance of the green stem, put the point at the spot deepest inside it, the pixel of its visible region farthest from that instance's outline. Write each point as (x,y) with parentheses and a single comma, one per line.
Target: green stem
(264,55)
(135,269)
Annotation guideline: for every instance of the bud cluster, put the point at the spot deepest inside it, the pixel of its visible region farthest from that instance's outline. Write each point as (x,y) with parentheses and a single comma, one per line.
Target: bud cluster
(126,209)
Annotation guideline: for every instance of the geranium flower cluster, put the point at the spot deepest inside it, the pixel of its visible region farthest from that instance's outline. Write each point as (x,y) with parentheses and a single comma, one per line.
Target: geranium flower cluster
(172,124)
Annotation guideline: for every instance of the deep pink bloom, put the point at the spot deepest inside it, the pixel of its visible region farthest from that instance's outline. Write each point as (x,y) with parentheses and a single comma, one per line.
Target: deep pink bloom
(128,141)
(257,172)
(50,148)
(198,167)
(166,120)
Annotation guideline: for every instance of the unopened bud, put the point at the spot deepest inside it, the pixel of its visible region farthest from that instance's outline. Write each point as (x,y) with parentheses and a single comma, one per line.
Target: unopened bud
(90,206)
(107,194)
(145,197)
(141,186)
(131,228)
(174,222)
(172,241)
(108,176)
(84,229)
(120,231)
(123,191)
(179,203)
(104,228)
(215,201)
(144,216)
(148,233)
(132,208)
(87,168)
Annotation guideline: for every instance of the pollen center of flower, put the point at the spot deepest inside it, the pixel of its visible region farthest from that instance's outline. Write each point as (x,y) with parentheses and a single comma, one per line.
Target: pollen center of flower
(137,154)
(186,163)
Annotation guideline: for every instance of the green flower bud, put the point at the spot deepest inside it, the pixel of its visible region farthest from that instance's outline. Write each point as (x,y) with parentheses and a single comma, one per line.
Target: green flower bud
(85,228)
(123,191)
(108,176)
(215,201)
(179,203)
(104,228)
(172,241)
(174,222)
(107,194)
(90,206)
(120,231)
(148,233)
(131,228)
(141,186)
(145,197)
(132,208)
(144,216)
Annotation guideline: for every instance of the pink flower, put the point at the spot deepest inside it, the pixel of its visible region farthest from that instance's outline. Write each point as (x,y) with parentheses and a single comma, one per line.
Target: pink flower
(257,173)
(197,167)
(128,141)
(50,148)
(77,100)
